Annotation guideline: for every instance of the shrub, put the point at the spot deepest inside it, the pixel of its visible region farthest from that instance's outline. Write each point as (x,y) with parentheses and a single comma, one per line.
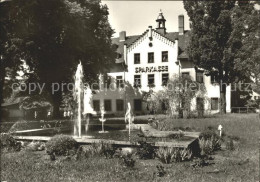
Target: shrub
(186,154)
(79,153)
(101,149)
(95,149)
(128,160)
(168,155)
(108,150)
(209,141)
(159,125)
(230,144)
(61,145)
(35,146)
(145,150)
(208,146)
(7,142)
(208,133)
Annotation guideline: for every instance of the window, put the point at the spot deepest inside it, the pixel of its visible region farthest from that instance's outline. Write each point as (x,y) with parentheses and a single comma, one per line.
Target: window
(185,74)
(165,56)
(165,78)
(95,85)
(214,103)
(213,78)
(199,77)
(119,105)
(137,104)
(200,104)
(137,58)
(119,82)
(107,104)
(137,81)
(151,80)
(150,57)
(96,105)
(107,81)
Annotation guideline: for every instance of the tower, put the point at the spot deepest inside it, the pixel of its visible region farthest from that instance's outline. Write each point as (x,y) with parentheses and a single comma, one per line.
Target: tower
(161,23)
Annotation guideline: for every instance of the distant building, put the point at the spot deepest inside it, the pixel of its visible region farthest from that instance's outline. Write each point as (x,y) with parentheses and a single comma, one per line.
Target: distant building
(24,108)
(11,110)
(149,60)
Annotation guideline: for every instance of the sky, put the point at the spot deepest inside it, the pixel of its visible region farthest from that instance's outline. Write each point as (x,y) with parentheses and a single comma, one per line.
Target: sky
(134,17)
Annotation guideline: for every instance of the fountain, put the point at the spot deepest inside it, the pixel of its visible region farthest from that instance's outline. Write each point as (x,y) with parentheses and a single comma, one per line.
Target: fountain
(102,120)
(129,118)
(83,98)
(78,96)
(88,109)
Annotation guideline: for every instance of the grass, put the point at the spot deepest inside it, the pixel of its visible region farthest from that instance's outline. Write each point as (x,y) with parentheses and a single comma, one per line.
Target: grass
(242,164)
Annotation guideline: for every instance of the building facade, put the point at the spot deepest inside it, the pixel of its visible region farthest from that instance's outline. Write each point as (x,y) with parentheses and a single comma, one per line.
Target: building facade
(148,61)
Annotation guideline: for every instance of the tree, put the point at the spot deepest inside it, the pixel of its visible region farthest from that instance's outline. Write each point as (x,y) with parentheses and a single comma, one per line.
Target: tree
(177,96)
(54,35)
(9,55)
(214,45)
(246,22)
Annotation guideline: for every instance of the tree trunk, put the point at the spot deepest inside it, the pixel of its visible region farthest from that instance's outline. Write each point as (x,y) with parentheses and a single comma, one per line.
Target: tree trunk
(2,81)
(222,100)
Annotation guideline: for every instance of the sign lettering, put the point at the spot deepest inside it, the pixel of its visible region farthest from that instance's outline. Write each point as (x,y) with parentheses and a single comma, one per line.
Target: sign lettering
(151,69)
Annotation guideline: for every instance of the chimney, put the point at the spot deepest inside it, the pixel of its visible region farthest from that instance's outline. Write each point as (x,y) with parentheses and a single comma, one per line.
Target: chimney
(122,36)
(125,54)
(181,24)
(150,32)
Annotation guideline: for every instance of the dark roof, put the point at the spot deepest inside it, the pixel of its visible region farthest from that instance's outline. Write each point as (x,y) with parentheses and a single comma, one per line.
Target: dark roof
(120,46)
(183,41)
(172,36)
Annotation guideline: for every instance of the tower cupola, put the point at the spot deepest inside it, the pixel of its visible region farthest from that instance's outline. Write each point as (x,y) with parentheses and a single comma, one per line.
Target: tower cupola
(161,23)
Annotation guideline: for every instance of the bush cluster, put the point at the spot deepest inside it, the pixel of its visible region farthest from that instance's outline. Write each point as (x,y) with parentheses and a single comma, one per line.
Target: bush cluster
(35,146)
(209,142)
(61,145)
(7,142)
(128,160)
(101,149)
(168,155)
(145,150)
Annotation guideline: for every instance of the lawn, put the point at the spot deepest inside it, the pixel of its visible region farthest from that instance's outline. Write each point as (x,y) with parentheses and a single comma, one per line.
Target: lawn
(242,164)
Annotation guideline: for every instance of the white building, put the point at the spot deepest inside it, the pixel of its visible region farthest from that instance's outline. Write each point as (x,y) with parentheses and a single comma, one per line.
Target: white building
(150,58)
